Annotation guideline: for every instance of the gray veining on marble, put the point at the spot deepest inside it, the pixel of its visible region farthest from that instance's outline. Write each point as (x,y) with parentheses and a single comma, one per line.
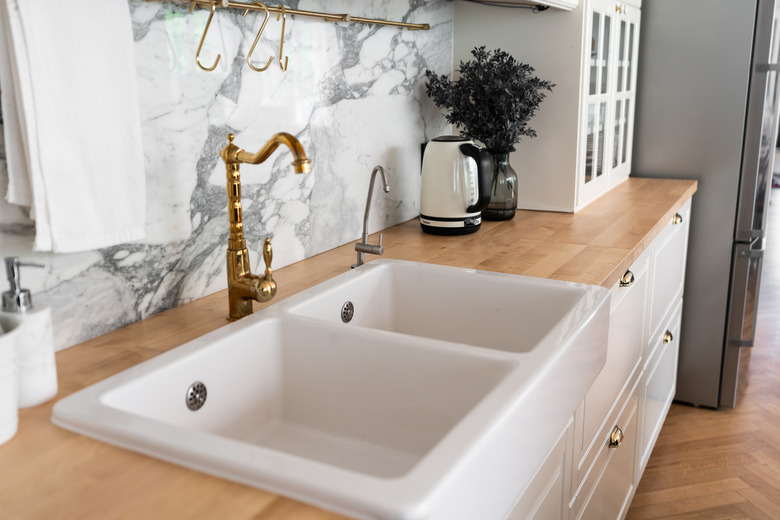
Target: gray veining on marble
(354,96)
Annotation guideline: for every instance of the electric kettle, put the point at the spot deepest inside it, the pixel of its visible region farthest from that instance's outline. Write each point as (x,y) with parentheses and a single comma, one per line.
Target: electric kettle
(455,186)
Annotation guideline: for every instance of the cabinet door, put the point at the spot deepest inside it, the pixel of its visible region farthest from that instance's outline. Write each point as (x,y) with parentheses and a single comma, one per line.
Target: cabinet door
(547,495)
(597,104)
(659,384)
(624,351)
(626,37)
(612,40)
(621,370)
(614,485)
(669,267)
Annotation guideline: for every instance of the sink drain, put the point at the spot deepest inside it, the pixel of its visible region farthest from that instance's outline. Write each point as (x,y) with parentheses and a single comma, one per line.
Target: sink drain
(196,396)
(347,312)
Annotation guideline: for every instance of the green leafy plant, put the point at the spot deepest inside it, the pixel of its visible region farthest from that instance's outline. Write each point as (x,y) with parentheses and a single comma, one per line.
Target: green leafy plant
(492,100)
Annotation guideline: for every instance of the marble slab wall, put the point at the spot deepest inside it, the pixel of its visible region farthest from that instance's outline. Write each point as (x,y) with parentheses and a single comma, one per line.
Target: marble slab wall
(354,96)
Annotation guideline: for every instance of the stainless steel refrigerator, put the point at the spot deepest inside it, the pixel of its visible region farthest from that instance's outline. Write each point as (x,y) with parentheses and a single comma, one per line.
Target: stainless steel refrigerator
(707,101)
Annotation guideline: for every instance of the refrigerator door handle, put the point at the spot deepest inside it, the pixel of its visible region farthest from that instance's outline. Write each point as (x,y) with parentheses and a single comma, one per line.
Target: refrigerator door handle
(743,304)
(768,67)
(751,253)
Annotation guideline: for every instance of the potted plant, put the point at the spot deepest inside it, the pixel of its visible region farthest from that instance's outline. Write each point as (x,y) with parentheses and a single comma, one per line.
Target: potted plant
(492,101)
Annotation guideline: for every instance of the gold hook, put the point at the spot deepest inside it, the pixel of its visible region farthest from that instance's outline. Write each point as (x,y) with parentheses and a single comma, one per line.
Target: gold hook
(257,39)
(281,42)
(203,38)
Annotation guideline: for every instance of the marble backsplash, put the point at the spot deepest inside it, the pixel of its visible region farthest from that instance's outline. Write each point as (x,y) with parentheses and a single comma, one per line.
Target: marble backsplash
(354,96)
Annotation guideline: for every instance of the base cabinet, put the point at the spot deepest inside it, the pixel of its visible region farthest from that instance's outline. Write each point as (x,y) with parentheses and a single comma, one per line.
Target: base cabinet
(659,374)
(596,463)
(611,489)
(658,385)
(547,494)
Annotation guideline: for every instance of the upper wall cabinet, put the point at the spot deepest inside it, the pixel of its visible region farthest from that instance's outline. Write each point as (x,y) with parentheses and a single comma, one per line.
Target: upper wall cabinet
(585,126)
(608,105)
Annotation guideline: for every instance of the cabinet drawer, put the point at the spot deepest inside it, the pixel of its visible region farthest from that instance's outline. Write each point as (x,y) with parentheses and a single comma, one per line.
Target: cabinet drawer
(606,491)
(625,345)
(659,384)
(669,267)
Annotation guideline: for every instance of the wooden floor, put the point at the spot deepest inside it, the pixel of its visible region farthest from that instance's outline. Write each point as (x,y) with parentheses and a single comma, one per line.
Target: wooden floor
(725,464)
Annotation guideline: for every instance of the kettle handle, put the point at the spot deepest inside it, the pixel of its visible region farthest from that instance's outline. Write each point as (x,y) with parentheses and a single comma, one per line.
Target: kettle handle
(484,174)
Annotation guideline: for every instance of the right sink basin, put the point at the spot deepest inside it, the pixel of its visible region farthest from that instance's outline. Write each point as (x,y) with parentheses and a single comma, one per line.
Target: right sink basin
(478,308)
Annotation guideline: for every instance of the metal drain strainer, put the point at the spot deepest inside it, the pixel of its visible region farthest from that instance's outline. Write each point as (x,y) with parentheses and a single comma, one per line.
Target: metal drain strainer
(196,396)
(347,312)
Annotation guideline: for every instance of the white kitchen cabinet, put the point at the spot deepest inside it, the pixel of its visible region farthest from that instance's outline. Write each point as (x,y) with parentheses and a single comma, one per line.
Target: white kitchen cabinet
(612,28)
(669,262)
(609,490)
(658,385)
(612,401)
(662,347)
(632,393)
(547,494)
(585,126)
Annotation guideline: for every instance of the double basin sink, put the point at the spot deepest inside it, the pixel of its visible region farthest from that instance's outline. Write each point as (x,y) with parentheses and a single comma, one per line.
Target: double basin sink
(398,390)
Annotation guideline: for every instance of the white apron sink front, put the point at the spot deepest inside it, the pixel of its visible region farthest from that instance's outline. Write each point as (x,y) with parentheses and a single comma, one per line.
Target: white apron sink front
(382,417)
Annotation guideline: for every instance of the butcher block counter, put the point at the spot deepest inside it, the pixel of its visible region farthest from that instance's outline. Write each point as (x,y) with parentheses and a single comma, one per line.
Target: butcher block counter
(47,472)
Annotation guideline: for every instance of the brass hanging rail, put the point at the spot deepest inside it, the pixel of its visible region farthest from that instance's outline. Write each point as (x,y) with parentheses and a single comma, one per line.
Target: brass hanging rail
(328,17)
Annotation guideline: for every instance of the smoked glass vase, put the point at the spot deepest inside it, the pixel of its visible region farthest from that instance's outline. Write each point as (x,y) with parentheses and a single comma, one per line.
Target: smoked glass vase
(503,189)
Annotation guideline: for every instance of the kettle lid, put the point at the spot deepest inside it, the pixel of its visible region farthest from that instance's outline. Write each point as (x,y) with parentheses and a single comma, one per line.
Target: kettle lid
(451,139)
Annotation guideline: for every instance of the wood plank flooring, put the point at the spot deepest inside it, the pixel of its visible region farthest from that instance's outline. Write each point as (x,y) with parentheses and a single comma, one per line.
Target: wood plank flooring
(725,464)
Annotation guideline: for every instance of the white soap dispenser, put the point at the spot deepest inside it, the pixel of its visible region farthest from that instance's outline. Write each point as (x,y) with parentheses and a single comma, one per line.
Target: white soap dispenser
(36,367)
(9,386)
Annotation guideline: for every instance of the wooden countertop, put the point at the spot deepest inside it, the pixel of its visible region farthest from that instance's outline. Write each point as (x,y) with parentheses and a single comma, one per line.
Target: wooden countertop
(47,472)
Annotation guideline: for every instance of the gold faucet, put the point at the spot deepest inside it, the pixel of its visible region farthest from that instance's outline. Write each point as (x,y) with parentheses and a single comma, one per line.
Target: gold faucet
(243,286)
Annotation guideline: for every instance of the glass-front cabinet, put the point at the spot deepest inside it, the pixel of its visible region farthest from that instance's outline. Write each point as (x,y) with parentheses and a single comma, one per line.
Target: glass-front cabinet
(585,125)
(608,103)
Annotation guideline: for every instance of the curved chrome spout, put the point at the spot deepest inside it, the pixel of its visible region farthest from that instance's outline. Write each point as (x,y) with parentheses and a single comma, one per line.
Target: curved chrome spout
(363,246)
(243,286)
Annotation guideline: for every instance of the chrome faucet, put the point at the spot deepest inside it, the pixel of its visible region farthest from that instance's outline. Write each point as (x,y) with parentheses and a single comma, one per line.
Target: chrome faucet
(363,246)
(243,286)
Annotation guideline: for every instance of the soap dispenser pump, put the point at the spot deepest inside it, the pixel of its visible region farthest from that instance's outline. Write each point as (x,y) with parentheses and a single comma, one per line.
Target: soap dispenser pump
(16,299)
(36,367)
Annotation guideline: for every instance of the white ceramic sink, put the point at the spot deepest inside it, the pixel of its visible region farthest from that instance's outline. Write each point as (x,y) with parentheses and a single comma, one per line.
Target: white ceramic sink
(377,418)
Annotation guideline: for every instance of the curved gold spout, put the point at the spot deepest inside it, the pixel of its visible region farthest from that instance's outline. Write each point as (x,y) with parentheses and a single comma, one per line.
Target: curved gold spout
(234,154)
(243,286)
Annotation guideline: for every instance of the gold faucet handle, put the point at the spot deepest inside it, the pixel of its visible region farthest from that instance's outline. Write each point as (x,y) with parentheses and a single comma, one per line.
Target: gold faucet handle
(268,256)
(267,284)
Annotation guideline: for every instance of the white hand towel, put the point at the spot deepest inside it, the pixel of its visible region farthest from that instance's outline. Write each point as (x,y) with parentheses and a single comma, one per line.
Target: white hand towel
(75,143)
(19,188)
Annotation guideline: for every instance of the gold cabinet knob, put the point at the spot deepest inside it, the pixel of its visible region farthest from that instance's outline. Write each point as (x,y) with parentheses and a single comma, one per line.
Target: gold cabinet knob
(668,337)
(616,437)
(627,280)
(677,219)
